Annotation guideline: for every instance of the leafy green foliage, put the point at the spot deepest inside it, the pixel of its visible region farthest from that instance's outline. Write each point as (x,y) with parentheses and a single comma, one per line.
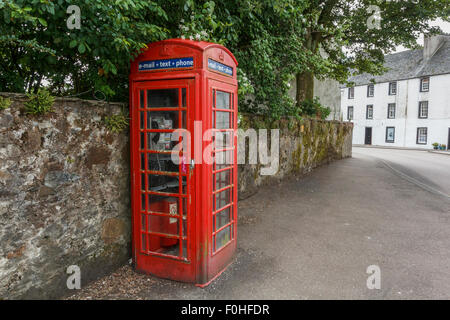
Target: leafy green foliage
(117,122)
(39,103)
(5,103)
(313,108)
(275,42)
(36,44)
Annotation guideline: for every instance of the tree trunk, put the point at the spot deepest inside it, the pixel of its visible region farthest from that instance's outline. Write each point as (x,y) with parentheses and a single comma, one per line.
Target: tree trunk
(305,86)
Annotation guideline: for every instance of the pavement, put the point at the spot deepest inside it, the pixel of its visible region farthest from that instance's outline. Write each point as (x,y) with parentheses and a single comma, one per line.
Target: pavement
(314,237)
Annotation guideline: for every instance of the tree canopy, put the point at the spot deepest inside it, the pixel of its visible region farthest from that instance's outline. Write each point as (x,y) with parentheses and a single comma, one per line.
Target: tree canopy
(274,41)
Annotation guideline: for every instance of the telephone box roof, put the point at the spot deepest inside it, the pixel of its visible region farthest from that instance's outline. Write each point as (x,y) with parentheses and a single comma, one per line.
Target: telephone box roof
(199,45)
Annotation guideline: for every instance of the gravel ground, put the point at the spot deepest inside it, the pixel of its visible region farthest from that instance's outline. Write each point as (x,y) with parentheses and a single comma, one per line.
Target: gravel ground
(123,284)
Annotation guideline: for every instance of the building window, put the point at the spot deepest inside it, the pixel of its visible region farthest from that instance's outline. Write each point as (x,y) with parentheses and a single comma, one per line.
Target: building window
(350,113)
(390,134)
(391,111)
(422,134)
(351,93)
(392,88)
(369,112)
(370,90)
(425,84)
(423,109)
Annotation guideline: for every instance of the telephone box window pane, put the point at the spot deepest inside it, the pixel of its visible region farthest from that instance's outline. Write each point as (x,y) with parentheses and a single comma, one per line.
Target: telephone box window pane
(142,99)
(222,218)
(144,243)
(183,97)
(166,225)
(161,162)
(223,139)
(184,228)
(222,179)
(222,100)
(184,120)
(222,238)
(161,204)
(149,121)
(142,161)
(141,119)
(168,120)
(183,185)
(223,120)
(162,120)
(163,245)
(143,226)
(224,159)
(143,202)
(142,181)
(161,183)
(185,249)
(162,98)
(222,199)
(142,141)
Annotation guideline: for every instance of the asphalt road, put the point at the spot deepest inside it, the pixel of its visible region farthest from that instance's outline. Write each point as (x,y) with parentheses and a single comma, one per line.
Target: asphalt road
(428,170)
(315,237)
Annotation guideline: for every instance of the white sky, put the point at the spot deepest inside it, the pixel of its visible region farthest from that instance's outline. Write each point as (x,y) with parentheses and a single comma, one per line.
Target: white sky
(445,27)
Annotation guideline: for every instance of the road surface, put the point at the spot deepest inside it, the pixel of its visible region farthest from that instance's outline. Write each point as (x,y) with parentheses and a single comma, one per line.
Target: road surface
(315,237)
(428,170)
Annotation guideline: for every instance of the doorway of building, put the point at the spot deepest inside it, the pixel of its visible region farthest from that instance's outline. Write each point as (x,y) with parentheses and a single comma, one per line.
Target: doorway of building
(368,138)
(448,142)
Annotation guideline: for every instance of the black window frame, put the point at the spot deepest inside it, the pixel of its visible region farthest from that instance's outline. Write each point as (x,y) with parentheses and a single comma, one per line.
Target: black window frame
(421,84)
(390,86)
(368,90)
(367,112)
(348,113)
(395,110)
(386,139)
(351,90)
(420,109)
(426,136)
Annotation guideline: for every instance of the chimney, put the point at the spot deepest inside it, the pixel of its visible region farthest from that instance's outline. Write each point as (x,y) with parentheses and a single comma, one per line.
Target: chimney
(431,44)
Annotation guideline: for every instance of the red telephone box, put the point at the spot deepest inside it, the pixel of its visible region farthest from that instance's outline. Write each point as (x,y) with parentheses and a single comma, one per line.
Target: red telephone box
(184,211)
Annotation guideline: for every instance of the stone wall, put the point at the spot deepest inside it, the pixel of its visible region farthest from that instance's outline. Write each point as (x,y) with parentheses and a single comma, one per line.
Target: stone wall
(304,145)
(65,195)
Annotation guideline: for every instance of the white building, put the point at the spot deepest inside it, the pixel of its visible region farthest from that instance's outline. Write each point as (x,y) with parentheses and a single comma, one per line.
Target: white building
(409,105)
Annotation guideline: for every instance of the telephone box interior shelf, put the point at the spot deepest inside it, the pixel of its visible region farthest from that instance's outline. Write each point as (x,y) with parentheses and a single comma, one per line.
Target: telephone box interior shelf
(183,110)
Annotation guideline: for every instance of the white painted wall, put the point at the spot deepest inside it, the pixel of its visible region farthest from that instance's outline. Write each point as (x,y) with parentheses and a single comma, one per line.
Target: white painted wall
(406,119)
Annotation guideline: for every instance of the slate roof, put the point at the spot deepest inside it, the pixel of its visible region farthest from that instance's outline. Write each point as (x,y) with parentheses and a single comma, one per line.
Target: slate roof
(410,64)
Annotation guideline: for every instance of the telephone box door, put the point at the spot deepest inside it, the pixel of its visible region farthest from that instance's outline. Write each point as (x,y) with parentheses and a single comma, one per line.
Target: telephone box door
(222,231)
(163,208)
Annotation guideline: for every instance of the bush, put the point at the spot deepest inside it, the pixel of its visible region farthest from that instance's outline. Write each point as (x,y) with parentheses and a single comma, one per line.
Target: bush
(40,102)
(116,123)
(313,108)
(4,103)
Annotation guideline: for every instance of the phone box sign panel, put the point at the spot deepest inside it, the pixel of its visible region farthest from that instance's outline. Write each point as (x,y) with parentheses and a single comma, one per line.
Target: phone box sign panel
(179,63)
(219,67)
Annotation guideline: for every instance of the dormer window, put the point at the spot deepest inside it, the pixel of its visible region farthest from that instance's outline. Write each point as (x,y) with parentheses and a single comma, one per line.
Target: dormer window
(425,84)
(392,88)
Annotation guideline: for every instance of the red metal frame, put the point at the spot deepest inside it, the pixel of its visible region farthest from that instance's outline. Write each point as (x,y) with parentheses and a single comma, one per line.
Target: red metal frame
(203,261)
